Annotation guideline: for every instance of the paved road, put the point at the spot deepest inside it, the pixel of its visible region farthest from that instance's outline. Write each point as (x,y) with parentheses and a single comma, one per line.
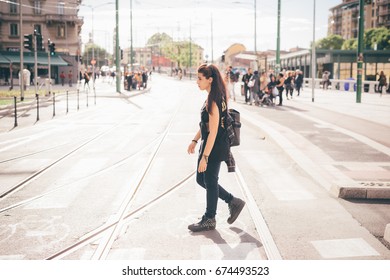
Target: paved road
(288,181)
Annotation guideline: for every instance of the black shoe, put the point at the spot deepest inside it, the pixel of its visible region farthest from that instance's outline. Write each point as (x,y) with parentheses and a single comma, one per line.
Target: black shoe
(235,207)
(203,225)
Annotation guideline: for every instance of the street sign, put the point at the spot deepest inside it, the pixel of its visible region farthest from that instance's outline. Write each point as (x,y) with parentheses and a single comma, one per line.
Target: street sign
(93,61)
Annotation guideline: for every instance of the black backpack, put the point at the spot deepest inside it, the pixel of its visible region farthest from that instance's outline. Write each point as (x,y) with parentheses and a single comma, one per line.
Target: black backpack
(233,126)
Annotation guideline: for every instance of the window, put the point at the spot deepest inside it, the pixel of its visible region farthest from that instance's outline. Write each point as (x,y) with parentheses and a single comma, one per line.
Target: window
(14,29)
(13,8)
(37,8)
(61,31)
(38,28)
(61,7)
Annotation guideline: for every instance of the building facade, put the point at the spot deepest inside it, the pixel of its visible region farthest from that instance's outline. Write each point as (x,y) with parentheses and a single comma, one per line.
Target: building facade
(344,18)
(56,20)
(53,19)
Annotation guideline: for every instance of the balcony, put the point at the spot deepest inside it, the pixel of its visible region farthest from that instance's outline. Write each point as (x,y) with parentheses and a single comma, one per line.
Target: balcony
(55,18)
(383,2)
(383,12)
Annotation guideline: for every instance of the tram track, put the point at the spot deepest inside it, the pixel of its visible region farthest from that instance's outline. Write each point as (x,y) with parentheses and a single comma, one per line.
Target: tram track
(112,229)
(41,171)
(97,173)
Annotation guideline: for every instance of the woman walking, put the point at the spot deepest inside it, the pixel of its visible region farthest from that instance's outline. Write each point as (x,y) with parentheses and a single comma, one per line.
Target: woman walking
(214,148)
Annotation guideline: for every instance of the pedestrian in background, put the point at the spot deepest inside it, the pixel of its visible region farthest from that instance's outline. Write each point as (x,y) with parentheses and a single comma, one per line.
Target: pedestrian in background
(288,84)
(70,77)
(280,88)
(214,148)
(325,80)
(230,79)
(382,81)
(298,81)
(255,89)
(86,79)
(245,79)
(62,77)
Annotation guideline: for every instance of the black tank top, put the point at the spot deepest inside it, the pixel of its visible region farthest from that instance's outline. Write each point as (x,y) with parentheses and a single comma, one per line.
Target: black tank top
(220,150)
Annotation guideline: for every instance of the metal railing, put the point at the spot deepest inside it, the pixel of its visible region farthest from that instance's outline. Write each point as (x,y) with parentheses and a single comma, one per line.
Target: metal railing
(344,85)
(26,108)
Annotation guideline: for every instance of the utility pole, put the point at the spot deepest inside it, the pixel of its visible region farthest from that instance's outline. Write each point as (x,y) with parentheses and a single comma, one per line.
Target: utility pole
(131,34)
(117,55)
(190,64)
(21,51)
(35,39)
(360,53)
(212,42)
(313,53)
(48,62)
(277,66)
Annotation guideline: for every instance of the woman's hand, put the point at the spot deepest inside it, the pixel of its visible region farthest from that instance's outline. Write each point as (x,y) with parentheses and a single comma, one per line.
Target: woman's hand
(202,165)
(191,147)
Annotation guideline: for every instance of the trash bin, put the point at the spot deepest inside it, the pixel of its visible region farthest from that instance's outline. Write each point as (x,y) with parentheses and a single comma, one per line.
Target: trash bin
(346,85)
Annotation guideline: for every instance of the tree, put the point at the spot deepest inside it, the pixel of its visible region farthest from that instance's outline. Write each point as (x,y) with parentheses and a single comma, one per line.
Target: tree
(377,38)
(331,42)
(178,52)
(101,55)
(350,44)
(159,38)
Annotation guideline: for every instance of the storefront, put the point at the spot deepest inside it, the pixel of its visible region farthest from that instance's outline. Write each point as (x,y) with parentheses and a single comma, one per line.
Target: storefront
(340,63)
(10,65)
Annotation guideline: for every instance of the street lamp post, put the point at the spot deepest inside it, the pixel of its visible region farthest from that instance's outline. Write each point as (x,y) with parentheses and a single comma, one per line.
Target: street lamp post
(360,53)
(117,56)
(313,53)
(131,34)
(277,66)
(21,51)
(93,40)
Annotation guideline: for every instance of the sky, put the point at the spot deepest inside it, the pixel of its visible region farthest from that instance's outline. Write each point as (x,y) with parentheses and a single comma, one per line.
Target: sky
(214,25)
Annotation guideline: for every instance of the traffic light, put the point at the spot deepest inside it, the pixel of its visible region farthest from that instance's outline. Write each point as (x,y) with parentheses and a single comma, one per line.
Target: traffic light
(121,54)
(40,46)
(52,48)
(27,42)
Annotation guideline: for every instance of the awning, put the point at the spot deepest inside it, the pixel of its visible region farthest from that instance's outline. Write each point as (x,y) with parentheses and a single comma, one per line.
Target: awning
(28,58)
(3,59)
(54,60)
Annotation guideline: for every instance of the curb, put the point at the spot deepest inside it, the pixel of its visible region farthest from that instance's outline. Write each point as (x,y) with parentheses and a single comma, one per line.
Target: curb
(357,192)
(386,236)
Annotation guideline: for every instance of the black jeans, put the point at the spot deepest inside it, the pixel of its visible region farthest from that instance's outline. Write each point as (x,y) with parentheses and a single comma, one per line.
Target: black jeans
(209,181)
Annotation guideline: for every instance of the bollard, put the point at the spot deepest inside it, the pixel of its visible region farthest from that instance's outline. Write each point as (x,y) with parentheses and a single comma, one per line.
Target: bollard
(67,102)
(37,96)
(16,113)
(54,104)
(78,100)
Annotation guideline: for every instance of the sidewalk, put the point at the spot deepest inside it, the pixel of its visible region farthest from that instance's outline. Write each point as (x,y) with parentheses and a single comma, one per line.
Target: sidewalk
(373,107)
(343,161)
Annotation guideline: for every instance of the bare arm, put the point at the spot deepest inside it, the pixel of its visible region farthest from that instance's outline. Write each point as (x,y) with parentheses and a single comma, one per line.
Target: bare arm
(191,147)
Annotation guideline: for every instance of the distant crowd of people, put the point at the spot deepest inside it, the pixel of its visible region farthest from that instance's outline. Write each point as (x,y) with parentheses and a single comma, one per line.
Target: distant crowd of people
(263,88)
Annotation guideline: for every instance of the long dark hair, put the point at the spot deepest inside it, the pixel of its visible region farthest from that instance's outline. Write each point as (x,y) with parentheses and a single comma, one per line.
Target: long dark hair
(218,87)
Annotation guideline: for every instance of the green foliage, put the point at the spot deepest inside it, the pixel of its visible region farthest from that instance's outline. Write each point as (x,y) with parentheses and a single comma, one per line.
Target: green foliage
(331,42)
(350,44)
(178,52)
(101,55)
(377,36)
